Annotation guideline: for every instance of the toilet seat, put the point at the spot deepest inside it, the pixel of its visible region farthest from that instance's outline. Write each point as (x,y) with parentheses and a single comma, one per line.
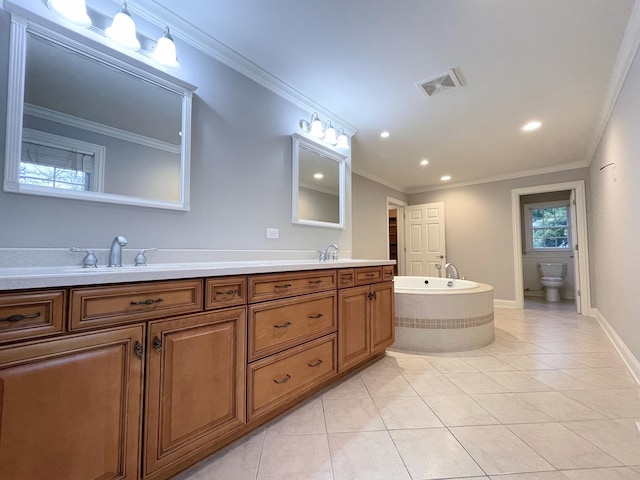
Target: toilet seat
(552,281)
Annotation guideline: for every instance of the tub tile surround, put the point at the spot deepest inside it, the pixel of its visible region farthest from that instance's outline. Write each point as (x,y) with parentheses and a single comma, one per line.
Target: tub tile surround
(548,400)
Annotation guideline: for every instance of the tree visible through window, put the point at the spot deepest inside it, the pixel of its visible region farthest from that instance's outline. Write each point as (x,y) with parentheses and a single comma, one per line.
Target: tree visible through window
(549,227)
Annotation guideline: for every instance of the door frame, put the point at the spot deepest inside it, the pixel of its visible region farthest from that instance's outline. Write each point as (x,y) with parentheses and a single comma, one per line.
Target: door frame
(398,205)
(581,223)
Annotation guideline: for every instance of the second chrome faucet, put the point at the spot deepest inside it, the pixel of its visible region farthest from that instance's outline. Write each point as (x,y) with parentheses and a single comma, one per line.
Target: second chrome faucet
(323,256)
(115,253)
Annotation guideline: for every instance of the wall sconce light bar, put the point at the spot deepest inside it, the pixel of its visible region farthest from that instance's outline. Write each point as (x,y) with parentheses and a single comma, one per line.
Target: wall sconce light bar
(327,132)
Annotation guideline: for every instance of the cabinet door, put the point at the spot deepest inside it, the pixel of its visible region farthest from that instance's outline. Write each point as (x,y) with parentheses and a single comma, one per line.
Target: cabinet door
(353,326)
(195,384)
(71,407)
(382,317)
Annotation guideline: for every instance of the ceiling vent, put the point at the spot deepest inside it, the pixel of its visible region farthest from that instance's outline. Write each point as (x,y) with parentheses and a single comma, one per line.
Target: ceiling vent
(443,82)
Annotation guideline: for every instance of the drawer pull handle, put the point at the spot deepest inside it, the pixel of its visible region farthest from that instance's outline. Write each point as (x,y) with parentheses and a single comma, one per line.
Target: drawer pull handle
(347,277)
(315,364)
(284,325)
(371,275)
(315,282)
(282,287)
(17,318)
(316,316)
(286,378)
(157,344)
(137,349)
(148,302)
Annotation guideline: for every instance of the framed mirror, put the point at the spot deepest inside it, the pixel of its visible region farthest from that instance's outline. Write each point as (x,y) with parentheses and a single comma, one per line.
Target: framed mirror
(318,178)
(85,125)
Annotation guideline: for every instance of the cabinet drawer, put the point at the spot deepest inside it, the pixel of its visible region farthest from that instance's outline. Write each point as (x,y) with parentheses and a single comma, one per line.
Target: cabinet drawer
(365,275)
(387,272)
(31,314)
(280,324)
(225,292)
(346,277)
(281,285)
(276,380)
(101,306)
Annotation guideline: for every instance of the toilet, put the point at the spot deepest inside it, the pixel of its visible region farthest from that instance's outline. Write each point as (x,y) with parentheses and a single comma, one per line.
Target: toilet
(552,279)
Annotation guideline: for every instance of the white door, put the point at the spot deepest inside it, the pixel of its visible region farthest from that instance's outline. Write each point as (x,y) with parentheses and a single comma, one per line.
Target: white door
(576,251)
(424,239)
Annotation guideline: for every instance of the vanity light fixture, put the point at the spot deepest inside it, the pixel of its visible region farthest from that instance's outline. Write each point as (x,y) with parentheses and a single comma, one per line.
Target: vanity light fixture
(531,126)
(343,141)
(123,30)
(73,11)
(445,178)
(330,133)
(165,52)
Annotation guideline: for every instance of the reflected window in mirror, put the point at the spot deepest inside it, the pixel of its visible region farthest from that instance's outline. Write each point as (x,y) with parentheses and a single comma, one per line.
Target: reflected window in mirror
(318,184)
(95,128)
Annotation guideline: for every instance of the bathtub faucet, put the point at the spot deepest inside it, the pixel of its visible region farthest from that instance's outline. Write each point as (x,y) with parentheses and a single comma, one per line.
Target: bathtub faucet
(454,271)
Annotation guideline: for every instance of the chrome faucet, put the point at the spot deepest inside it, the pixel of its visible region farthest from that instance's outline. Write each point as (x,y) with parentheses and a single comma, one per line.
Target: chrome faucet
(324,256)
(454,271)
(115,254)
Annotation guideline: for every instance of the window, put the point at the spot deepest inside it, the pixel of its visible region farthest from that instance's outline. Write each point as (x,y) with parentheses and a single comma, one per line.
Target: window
(53,161)
(548,226)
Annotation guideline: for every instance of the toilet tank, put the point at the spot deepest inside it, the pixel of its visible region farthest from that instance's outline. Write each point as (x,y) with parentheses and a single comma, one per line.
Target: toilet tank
(557,270)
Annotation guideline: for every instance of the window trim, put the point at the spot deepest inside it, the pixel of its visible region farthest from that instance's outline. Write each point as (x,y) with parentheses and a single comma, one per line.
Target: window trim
(528,207)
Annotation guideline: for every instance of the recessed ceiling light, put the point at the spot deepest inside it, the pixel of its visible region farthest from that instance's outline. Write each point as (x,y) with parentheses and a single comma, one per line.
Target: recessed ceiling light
(385,134)
(532,125)
(445,178)
(424,162)
(318,176)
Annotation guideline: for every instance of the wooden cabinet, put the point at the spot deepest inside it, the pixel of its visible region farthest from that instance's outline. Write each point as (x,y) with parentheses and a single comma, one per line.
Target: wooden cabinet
(32,314)
(71,407)
(365,319)
(195,386)
(271,286)
(223,292)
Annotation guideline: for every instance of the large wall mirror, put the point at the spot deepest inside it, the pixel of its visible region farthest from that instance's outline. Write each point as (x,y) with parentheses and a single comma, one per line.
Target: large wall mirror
(88,126)
(318,184)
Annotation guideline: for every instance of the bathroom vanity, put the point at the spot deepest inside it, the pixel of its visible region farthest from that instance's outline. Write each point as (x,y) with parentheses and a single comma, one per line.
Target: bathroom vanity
(135,378)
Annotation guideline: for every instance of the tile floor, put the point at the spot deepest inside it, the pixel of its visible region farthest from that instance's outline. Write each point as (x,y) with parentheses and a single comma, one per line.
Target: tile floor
(549,400)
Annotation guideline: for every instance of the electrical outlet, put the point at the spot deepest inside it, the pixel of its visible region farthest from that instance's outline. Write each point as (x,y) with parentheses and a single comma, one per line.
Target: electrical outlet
(273,233)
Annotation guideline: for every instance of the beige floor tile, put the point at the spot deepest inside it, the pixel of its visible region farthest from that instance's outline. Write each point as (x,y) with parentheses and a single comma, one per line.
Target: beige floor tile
(451,365)
(599,359)
(561,447)
(405,413)
(365,456)
(472,383)
(616,372)
(385,366)
(559,380)
(432,384)
(356,415)
(351,388)
(525,362)
(619,438)
(295,457)
(385,386)
(531,476)
(459,410)
(488,364)
(612,403)
(600,380)
(525,348)
(413,365)
(509,408)
(518,382)
(307,418)
(434,453)
(559,407)
(558,360)
(497,450)
(620,473)
(238,461)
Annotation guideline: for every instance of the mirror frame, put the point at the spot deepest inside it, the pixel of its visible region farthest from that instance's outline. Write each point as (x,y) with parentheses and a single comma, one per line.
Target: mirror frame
(297,141)
(20,27)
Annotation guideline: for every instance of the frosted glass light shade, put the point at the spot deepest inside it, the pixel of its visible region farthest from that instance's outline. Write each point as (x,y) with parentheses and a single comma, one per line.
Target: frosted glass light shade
(165,52)
(330,134)
(123,30)
(73,11)
(343,141)
(316,127)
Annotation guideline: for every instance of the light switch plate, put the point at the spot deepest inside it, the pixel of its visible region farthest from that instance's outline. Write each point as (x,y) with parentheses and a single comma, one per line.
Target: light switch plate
(273,233)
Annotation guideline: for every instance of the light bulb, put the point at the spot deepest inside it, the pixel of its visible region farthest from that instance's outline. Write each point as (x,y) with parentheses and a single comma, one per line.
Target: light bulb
(330,134)
(165,52)
(123,30)
(73,11)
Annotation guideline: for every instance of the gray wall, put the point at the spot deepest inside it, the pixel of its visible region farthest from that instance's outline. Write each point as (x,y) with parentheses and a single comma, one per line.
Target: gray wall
(240,178)
(479,228)
(614,227)
(370,217)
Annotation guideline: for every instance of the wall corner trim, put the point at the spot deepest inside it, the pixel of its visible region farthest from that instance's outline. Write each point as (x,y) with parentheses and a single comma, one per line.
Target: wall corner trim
(504,303)
(632,363)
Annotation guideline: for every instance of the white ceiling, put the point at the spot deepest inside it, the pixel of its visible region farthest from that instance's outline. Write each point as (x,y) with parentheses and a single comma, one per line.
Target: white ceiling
(550,60)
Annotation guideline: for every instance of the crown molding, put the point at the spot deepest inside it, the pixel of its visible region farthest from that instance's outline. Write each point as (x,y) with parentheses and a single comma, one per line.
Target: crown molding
(376,179)
(192,35)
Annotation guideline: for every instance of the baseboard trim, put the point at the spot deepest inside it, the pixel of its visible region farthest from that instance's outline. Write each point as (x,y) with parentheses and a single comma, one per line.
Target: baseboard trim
(632,363)
(504,303)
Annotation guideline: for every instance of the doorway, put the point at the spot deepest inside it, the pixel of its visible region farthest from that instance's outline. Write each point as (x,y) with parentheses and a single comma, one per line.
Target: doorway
(578,241)
(395,229)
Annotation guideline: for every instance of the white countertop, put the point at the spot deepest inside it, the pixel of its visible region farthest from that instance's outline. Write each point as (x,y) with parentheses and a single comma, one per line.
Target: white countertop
(64,276)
